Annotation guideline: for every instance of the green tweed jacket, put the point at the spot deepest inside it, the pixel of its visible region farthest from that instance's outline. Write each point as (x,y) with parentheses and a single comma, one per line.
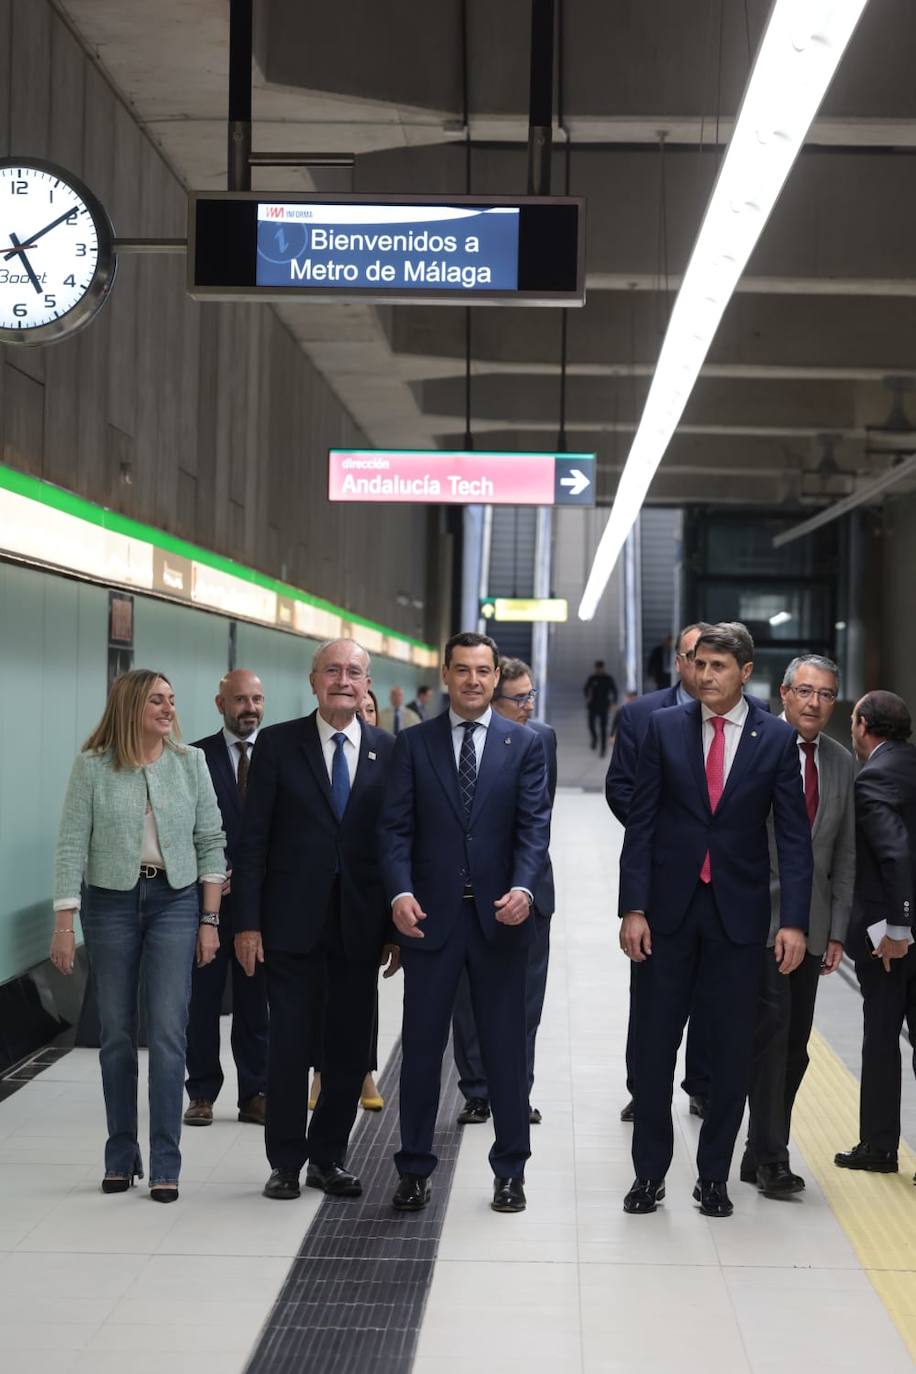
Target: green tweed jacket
(101,830)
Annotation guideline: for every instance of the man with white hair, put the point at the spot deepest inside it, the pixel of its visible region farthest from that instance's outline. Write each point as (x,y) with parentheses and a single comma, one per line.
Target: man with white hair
(309,904)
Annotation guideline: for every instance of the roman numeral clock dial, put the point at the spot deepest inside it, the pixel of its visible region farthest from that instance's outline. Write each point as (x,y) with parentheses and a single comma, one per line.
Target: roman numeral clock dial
(57,260)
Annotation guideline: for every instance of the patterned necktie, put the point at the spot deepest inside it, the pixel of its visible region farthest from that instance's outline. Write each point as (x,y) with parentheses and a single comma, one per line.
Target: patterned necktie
(340,776)
(396,721)
(812,791)
(467,766)
(715,780)
(242,774)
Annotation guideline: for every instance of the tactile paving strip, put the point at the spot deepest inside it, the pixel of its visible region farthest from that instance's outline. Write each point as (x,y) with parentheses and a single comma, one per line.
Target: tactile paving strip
(353,1300)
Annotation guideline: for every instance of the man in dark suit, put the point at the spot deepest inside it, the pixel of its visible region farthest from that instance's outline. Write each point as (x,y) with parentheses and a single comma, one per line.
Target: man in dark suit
(514,700)
(422,704)
(465,831)
(785,1009)
(695,901)
(600,693)
(240,702)
(631,724)
(309,904)
(881,929)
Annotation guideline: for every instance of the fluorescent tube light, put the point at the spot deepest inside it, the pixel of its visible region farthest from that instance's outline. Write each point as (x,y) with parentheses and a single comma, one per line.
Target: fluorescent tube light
(798,56)
(780,618)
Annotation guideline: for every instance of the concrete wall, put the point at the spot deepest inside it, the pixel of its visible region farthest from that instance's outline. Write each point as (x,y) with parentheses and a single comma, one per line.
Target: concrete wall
(203,419)
(896,669)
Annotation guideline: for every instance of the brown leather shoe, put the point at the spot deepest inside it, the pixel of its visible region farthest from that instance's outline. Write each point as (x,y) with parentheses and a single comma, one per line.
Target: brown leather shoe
(199,1112)
(254,1109)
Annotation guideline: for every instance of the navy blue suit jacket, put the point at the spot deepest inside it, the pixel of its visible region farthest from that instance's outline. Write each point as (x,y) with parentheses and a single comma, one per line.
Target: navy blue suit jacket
(545,894)
(430,849)
(226,788)
(629,732)
(670,826)
(294,849)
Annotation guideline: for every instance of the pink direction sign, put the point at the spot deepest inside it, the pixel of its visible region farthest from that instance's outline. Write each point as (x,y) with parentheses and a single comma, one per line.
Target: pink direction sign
(439,477)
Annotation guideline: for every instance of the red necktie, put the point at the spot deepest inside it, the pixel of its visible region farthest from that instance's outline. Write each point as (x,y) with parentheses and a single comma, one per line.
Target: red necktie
(715,779)
(812,791)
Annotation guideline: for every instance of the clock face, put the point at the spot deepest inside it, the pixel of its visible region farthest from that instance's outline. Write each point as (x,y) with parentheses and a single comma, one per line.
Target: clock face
(56,258)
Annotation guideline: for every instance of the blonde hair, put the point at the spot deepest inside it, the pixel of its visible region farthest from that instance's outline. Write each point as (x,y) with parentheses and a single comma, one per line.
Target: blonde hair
(119,732)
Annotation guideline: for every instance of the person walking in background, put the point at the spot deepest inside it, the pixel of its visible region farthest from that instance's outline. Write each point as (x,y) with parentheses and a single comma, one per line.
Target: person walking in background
(465,831)
(658,667)
(140,823)
(600,695)
(397,717)
(514,700)
(308,903)
(695,902)
(422,705)
(785,1009)
(240,702)
(881,929)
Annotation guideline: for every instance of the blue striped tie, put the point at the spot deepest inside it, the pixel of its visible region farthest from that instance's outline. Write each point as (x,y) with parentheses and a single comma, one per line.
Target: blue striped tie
(340,776)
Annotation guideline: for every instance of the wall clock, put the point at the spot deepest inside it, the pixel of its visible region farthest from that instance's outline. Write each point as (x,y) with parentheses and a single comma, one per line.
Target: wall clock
(57,259)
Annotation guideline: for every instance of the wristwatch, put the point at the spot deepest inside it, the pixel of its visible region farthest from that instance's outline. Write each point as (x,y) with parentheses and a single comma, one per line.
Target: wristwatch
(209,918)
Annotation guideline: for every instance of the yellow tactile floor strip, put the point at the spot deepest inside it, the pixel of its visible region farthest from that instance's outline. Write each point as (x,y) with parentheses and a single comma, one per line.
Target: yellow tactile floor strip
(877,1211)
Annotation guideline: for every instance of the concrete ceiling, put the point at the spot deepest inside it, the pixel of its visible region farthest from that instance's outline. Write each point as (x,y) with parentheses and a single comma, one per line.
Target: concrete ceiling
(814,351)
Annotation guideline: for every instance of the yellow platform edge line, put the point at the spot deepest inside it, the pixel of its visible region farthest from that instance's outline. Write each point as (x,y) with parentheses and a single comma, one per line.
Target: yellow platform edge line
(876,1211)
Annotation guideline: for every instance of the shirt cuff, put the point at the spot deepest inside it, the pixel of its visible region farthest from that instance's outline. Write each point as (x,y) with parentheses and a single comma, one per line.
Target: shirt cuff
(399,896)
(212,878)
(529,895)
(67,904)
(898,932)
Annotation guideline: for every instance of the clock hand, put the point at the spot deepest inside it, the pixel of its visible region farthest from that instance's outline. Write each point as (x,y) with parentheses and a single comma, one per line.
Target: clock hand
(26,264)
(33,238)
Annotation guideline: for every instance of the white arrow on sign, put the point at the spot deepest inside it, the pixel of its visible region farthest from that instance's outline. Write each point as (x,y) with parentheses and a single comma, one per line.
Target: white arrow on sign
(576,481)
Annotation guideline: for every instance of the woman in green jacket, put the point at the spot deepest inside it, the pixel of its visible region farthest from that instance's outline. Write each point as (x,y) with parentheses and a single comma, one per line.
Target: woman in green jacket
(141,828)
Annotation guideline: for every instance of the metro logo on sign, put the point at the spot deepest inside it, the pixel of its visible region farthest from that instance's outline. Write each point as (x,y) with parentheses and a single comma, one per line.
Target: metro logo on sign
(435,477)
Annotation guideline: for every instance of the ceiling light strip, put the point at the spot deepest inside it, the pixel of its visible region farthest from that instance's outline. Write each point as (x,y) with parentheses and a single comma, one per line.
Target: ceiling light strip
(798,56)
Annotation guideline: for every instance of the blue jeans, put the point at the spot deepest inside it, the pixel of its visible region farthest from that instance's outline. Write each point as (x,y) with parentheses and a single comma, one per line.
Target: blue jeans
(148,933)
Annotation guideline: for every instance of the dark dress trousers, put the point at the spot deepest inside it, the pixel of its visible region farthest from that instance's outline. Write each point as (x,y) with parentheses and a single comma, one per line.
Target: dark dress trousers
(310,883)
(713,933)
(457,866)
(785,1011)
(885,797)
(631,726)
(465,1041)
(249,995)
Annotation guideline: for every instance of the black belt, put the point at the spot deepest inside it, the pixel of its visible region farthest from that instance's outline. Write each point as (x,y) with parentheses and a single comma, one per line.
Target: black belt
(151,871)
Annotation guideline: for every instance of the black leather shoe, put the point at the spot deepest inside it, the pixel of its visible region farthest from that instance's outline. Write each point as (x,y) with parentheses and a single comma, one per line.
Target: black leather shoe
(697,1105)
(333,1180)
(778,1180)
(508,1195)
(864,1156)
(644,1196)
(283,1184)
(534,1116)
(713,1198)
(748,1172)
(412,1193)
(474,1111)
(628,1112)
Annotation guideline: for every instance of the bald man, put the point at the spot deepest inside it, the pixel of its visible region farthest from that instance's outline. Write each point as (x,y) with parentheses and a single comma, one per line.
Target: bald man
(240,702)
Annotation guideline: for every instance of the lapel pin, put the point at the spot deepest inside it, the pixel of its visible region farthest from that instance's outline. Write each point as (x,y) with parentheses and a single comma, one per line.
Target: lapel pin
(508,739)
(753,736)
(371,755)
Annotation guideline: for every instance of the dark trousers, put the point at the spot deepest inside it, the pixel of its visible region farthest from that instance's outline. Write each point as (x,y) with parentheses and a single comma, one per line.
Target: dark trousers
(597,725)
(888,999)
(249,1025)
(785,1015)
(497,976)
(321,1001)
(465,1041)
(696,1056)
(698,950)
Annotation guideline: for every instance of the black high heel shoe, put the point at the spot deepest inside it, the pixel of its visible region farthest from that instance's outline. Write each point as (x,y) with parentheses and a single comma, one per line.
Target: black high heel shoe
(118,1183)
(164,1193)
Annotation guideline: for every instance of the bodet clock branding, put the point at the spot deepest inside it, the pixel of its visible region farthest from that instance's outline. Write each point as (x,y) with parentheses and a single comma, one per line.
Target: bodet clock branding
(57,260)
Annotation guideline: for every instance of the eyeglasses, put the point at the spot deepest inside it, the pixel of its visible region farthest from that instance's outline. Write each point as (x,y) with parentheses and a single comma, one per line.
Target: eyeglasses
(521,700)
(823,694)
(351,672)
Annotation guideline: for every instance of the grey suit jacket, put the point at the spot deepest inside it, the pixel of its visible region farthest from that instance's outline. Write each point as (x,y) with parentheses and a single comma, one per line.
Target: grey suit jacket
(833,841)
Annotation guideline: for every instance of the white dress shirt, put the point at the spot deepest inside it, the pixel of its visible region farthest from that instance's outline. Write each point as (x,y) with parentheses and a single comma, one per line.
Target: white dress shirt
(479,735)
(802,756)
(734,719)
(231,741)
(326,734)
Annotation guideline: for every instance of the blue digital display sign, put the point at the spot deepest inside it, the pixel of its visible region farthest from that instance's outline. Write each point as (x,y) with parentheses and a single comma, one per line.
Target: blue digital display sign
(396,248)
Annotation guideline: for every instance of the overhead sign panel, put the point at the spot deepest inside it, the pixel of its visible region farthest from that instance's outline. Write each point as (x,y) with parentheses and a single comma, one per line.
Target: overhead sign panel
(438,476)
(525,608)
(482,250)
